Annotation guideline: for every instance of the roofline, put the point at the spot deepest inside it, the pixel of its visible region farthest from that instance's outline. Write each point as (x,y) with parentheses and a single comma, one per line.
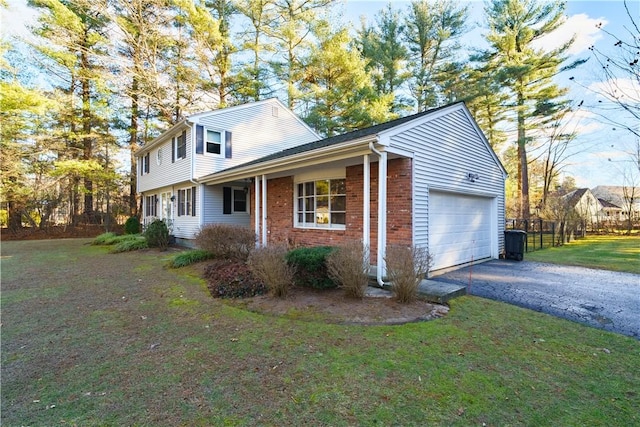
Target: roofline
(160,138)
(338,151)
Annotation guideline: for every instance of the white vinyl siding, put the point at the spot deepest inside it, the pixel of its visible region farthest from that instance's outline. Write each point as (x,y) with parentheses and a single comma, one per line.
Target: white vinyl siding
(167,172)
(446,148)
(214,207)
(255,132)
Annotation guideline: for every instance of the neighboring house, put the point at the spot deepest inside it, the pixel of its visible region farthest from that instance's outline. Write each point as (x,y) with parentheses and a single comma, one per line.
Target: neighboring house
(610,212)
(444,189)
(170,167)
(626,198)
(585,203)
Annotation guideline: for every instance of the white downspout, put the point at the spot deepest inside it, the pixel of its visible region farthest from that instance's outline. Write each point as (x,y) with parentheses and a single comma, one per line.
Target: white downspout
(366,208)
(264,210)
(199,186)
(256,208)
(382,214)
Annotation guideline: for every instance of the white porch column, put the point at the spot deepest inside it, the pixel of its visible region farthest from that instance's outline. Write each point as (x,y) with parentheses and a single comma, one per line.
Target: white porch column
(382,215)
(256,208)
(264,210)
(366,207)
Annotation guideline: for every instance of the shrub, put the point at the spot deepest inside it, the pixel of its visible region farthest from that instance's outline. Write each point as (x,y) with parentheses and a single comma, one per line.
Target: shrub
(348,267)
(232,279)
(310,266)
(104,239)
(226,241)
(270,266)
(132,225)
(189,257)
(157,235)
(131,243)
(406,267)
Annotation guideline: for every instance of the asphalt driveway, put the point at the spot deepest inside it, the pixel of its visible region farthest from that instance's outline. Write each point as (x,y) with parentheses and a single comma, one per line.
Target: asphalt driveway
(599,298)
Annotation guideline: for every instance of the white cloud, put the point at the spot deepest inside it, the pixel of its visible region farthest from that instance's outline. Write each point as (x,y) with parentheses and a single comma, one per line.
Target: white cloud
(581,26)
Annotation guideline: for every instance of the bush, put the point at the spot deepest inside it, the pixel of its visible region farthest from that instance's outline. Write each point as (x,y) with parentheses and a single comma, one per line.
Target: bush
(406,267)
(270,266)
(132,225)
(189,257)
(348,267)
(310,266)
(133,243)
(226,241)
(232,279)
(104,239)
(157,235)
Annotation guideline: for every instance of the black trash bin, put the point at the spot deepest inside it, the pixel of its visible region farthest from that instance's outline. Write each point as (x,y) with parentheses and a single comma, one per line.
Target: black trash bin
(514,241)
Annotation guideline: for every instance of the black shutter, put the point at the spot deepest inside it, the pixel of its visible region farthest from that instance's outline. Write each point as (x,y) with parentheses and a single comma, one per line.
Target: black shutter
(193,201)
(173,150)
(226,200)
(199,139)
(181,202)
(227,145)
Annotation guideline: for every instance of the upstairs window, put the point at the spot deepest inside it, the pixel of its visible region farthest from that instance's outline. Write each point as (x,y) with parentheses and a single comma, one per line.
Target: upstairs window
(321,203)
(144,168)
(213,142)
(179,147)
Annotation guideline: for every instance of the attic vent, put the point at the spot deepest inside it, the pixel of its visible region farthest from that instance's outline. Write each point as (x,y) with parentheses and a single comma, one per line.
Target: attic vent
(274,111)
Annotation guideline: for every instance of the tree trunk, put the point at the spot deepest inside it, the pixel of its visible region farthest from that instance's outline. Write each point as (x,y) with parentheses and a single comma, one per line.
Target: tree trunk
(86,132)
(133,146)
(523,168)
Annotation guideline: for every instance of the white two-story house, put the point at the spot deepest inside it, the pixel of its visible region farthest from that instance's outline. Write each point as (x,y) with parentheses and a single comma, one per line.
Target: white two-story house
(170,166)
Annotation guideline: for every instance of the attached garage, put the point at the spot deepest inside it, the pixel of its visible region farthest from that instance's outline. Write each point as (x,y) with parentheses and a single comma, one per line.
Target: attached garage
(460,228)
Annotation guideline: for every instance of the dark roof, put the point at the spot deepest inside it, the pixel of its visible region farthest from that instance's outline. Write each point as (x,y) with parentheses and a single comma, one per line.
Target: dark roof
(334,140)
(574,197)
(607,204)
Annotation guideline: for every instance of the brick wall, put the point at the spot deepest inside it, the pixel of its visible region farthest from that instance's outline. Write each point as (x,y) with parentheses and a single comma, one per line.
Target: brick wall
(399,205)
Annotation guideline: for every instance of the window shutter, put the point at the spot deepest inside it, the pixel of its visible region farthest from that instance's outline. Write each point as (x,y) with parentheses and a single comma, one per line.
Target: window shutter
(180,202)
(226,200)
(199,139)
(173,150)
(193,201)
(227,145)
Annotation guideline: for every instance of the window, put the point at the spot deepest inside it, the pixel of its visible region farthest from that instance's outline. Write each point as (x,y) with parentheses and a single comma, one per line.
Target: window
(214,142)
(151,205)
(234,200)
(144,169)
(187,202)
(179,145)
(321,203)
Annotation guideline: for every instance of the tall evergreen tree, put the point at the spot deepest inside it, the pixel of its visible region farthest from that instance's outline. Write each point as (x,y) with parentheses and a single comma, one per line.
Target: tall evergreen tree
(526,71)
(341,93)
(431,31)
(75,43)
(382,46)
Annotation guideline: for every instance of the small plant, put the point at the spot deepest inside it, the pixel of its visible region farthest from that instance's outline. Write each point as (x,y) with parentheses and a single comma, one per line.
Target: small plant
(348,267)
(128,243)
(186,258)
(132,225)
(104,239)
(226,241)
(310,266)
(157,235)
(232,279)
(406,267)
(270,266)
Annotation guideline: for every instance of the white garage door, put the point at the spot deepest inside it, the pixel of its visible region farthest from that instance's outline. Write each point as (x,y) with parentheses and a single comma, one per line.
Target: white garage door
(459,228)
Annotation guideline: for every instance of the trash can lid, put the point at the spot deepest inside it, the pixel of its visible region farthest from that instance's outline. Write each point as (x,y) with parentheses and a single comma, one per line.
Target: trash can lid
(515,231)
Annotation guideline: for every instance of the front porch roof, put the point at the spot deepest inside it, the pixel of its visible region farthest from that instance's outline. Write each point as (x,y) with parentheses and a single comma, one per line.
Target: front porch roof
(335,148)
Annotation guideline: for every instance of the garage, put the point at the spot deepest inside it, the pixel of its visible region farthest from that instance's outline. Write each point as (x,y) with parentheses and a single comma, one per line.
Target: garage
(460,228)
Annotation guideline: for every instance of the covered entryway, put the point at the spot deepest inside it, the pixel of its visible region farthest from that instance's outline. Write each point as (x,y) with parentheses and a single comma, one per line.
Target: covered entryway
(460,228)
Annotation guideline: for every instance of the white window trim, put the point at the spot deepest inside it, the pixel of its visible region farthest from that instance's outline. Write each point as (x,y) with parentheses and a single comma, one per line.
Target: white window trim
(174,145)
(222,142)
(187,190)
(312,177)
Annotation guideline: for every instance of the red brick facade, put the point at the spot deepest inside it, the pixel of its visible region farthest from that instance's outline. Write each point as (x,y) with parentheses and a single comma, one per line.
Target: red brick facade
(280,209)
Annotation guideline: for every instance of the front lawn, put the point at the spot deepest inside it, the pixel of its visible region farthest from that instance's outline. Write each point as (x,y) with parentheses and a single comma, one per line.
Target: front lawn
(92,338)
(616,253)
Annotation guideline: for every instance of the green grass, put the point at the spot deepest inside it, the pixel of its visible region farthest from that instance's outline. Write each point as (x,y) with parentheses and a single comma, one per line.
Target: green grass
(616,253)
(91,338)
(189,257)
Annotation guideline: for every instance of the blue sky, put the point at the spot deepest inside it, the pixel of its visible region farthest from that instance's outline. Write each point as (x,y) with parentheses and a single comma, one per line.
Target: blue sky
(601,151)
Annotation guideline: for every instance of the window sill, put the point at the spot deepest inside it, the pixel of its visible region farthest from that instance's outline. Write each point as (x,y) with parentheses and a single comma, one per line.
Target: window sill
(314,227)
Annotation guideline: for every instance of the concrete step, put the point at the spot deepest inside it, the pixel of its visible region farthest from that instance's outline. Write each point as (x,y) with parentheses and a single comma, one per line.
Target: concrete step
(440,292)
